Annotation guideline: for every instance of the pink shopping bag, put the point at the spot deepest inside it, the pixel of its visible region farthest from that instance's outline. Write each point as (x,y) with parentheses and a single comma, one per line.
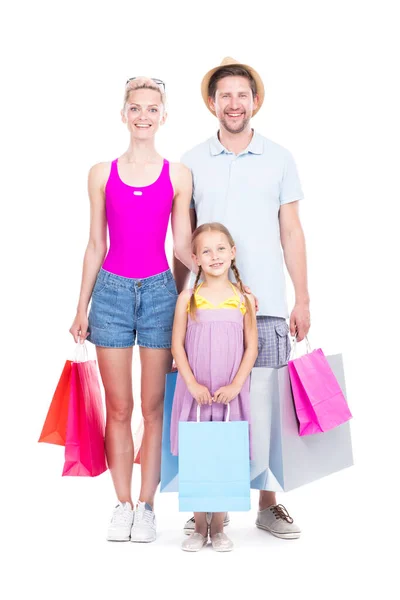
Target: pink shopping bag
(319,402)
(84,445)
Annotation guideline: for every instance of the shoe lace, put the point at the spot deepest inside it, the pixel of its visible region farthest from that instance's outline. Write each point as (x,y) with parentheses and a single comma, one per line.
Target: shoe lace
(121,515)
(280,512)
(143,516)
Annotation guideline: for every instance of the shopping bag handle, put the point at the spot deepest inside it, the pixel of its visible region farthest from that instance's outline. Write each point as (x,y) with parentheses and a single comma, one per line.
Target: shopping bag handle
(227,415)
(293,352)
(81,352)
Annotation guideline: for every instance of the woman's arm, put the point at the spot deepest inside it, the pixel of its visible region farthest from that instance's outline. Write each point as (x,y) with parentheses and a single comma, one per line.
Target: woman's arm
(228,392)
(96,248)
(181,273)
(199,392)
(180,217)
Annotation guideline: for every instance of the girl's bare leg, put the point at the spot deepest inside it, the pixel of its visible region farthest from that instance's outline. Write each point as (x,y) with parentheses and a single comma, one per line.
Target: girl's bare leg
(201,525)
(217,523)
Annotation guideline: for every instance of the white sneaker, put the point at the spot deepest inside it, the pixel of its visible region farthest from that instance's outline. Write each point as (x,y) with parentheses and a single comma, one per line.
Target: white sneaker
(144,524)
(120,526)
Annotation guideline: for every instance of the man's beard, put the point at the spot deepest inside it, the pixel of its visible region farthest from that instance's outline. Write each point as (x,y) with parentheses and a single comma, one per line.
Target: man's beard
(245,122)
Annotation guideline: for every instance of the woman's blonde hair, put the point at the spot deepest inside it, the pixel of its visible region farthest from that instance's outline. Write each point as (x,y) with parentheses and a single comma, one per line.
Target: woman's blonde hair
(222,229)
(143,83)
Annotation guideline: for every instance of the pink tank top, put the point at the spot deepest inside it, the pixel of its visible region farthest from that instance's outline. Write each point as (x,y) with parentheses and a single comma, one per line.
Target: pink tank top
(137,220)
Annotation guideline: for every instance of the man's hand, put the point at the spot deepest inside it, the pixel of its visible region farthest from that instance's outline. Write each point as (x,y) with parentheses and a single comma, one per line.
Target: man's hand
(300,321)
(248,291)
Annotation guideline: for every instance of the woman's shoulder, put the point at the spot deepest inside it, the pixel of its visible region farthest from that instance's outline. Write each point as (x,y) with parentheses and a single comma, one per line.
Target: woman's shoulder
(100,171)
(179,172)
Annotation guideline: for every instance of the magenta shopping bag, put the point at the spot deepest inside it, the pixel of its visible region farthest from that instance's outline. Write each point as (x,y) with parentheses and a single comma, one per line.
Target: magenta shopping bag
(319,402)
(84,444)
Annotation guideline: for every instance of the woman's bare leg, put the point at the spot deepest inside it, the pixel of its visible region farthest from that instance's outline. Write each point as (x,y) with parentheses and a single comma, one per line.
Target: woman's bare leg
(155,363)
(115,366)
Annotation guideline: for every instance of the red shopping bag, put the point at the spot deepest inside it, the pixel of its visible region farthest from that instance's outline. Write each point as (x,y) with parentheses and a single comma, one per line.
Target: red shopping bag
(137,441)
(84,444)
(319,401)
(55,425)
(75,418)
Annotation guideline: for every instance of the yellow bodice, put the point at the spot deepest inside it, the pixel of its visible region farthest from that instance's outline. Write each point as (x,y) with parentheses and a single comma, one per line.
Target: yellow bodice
(231,302)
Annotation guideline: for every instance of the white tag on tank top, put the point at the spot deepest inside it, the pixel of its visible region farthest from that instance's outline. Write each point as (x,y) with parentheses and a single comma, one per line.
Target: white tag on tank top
(137,193)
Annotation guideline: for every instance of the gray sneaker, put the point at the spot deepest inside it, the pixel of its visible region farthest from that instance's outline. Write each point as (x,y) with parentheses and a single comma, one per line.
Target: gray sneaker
(277,521)
(189,525)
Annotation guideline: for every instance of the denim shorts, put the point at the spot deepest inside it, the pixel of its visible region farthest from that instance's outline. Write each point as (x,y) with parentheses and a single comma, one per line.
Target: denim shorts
(124,310)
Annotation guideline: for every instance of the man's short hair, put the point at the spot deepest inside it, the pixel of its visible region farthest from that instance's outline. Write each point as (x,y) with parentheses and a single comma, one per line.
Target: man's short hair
(231,71)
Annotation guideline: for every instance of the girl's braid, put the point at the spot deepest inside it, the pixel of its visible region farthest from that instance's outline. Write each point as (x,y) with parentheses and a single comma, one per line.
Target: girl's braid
(192,302)
(235,270)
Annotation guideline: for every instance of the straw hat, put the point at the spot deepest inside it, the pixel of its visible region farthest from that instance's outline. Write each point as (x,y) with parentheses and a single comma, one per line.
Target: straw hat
(227,62)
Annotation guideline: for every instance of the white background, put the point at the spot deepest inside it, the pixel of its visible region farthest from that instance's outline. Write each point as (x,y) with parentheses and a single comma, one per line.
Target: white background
(332,99)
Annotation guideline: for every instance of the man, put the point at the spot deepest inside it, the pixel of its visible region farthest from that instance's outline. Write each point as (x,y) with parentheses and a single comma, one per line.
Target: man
(250,184)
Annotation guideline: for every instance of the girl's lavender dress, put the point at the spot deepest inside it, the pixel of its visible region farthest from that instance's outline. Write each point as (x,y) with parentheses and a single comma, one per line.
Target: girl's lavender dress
(214,346)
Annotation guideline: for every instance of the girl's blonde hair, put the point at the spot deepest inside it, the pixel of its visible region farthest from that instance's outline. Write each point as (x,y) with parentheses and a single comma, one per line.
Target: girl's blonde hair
(143,83)
(221,228)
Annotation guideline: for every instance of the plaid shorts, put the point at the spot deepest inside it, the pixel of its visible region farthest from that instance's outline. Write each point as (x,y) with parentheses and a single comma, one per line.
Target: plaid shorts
(273,342)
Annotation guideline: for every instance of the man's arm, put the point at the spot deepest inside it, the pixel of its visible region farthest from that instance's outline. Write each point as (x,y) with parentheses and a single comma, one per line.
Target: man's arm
(294,251)
(181,273)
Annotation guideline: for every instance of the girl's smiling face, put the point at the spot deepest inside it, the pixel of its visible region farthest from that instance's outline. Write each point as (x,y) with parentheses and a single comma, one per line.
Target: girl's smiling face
(213,253)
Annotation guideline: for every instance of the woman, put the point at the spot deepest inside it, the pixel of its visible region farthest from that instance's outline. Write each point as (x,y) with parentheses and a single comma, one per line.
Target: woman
(134,295)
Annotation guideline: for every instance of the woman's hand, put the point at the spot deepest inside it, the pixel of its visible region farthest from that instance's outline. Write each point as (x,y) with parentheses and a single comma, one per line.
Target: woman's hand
(226,393)
(79,328)
(200,393)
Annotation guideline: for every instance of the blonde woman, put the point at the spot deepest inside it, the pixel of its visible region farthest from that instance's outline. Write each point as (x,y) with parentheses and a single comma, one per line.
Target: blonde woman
(133,295)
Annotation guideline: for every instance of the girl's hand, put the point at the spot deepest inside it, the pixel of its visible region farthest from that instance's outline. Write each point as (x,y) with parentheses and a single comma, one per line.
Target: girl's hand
(226,393)
(79,328)
(200,393)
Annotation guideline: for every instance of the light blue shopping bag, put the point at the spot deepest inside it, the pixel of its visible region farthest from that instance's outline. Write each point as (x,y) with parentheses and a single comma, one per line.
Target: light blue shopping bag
(214,466)
(169,462)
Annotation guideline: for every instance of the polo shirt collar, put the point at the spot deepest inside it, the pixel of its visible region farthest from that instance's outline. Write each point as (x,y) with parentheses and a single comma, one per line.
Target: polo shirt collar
(256,145)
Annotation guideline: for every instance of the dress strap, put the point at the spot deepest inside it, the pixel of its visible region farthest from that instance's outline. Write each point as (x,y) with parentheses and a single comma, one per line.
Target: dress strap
(235,290)
(240,296)
(198,287)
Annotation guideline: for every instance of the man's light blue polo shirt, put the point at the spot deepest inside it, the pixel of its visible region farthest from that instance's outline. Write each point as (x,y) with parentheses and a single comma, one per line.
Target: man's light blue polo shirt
(244,192)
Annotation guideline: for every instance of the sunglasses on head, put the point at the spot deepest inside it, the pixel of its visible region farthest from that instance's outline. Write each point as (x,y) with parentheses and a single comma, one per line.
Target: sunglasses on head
(159,82)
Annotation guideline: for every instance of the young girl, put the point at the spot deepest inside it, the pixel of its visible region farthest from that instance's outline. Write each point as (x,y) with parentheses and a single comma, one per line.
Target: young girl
(214,344)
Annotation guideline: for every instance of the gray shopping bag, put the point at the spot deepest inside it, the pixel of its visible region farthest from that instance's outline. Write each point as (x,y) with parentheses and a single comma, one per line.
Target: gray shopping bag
(282,460)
